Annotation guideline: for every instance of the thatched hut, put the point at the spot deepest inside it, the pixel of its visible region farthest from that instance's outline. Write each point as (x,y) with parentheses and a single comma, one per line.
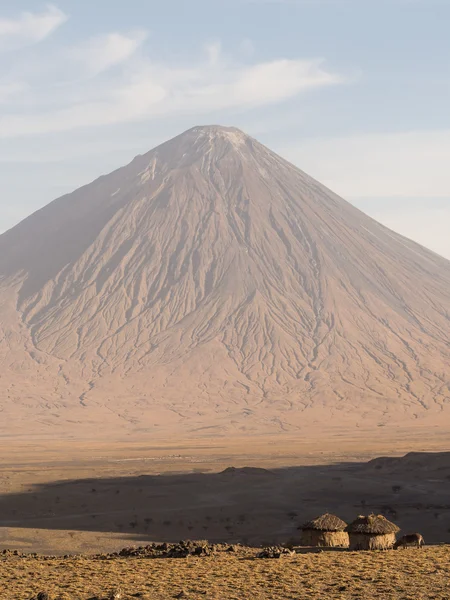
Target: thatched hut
(374,532)
(325,531)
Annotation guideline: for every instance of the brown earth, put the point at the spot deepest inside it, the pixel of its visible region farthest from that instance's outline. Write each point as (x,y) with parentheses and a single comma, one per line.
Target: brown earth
(392,575)
(58,498)
(211,288)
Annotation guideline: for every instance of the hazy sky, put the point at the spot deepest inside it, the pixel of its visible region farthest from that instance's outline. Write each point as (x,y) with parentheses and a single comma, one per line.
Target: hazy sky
(355,92)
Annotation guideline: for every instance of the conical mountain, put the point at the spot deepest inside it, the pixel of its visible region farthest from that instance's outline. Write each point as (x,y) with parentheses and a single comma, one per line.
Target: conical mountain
(210,286)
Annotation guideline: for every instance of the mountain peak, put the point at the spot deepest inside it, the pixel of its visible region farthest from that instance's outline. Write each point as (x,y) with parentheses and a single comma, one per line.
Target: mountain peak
(217,130)
(211,147)
(214,134)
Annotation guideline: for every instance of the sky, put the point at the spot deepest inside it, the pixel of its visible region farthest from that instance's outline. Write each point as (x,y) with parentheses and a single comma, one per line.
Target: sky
(354,92)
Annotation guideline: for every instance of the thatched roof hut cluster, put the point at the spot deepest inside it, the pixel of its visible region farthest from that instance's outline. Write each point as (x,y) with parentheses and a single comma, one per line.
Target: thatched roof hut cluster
(374,532)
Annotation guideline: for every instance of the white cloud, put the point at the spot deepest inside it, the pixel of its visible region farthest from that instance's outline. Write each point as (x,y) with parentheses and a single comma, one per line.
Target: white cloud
(146,90)
(29,28)
(410,164)
(280,79)
(103,52)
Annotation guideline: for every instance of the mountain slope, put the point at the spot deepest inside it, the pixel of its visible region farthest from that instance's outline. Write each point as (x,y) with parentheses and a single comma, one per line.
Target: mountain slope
(211,284)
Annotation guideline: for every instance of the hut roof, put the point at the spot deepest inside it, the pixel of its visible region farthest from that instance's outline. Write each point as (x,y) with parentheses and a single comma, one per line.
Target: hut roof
(326,522)
(372,525)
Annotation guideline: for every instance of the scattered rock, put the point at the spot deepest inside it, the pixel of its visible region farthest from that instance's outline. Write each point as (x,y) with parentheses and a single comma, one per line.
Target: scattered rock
(181,549)
(182,594)
(9,553)
(42,596)
(275,552)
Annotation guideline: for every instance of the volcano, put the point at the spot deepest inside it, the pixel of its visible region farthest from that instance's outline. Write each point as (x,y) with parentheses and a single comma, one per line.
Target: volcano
(211,287)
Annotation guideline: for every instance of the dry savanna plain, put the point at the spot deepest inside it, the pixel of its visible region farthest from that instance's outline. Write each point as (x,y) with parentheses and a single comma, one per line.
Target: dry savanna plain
(75,505)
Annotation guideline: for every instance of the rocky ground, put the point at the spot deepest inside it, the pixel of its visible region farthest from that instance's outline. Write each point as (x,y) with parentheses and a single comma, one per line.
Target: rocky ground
(200,570)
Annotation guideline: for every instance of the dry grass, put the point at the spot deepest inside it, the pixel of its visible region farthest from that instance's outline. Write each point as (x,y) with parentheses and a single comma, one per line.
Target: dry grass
(400,575)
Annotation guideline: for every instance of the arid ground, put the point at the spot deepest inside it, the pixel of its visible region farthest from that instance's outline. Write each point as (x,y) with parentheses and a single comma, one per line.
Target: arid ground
(61,498)
(400,575)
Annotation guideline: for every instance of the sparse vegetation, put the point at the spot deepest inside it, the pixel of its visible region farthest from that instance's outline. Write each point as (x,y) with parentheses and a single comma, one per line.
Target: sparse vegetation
(251,507)
(392,575)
